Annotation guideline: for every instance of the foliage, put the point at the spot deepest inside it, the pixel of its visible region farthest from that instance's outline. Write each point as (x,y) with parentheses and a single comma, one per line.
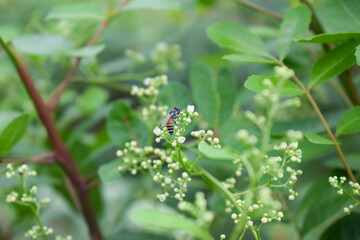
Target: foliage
(87,88)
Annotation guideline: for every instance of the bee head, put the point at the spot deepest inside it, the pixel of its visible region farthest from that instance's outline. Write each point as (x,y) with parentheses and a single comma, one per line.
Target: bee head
(175,111)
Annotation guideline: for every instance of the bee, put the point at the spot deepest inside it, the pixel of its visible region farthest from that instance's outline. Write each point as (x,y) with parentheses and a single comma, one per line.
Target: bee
(170,119)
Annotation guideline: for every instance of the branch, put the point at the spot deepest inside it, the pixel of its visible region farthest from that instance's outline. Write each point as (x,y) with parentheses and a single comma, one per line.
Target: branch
(48,157)
(63,157)
(260,9)
(55,96)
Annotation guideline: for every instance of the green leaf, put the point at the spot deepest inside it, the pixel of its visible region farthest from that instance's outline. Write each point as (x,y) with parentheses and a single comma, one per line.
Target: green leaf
(315,138)
(175,94)
(123,126)
(339,15)
(91,51)
(345,228)
(323,210)
(153,5)
(333,63)
(92,99)
(357,55)
(76,11)
(237,37)
(213,93)
(167,221)
(349,122)
(42,44)
(294,25)
(11,131)
(216,153)
(330,37)
(108,172)
(247,58)
(255,83)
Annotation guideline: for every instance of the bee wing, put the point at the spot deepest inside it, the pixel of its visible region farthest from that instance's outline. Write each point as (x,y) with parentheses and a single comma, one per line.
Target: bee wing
(163,122)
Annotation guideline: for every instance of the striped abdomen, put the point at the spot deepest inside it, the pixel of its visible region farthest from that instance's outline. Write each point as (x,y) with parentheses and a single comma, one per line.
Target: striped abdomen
(170,126)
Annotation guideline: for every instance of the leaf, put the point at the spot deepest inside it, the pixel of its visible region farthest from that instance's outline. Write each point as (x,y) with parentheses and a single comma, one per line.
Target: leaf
(42,44)
(216,153)
(91,51)
(321,211)
(330,37)
(294,25)
(255,83)
(76,11)
(123,126)
(247,58)
(339,15)
(333,63)
(349,122)
(237,37)
(315,138)
(313,151)
(167,221)
(175,94)
(11,132)
(214,94)
(108,172)
(92,99)
(345,228)
(357,55)
(153,5)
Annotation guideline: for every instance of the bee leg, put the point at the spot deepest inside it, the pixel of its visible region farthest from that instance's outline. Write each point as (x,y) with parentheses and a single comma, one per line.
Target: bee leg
(176,123)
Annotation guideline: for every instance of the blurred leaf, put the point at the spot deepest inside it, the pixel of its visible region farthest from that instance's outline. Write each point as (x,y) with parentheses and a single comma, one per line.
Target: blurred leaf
(11,132)
(333,63)
(339,15)
(214,94)
(108,172)
(322,210)
(91,51)
(313,151)
(311,124)
(352,159)
(123,126)
(167,221)
(76,11)
(247,58)
(315,138)
(216,153)
(357,55)
(255,83)
(237,37)
(349,122)
(294,25)
(153,5)
(8,32)
(42,44)
(345,228)
(330,37)
(175,94)
(92,99)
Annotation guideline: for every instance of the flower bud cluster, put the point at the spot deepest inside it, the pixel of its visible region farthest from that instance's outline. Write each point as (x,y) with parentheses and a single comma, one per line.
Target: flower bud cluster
(246,138)
(180,123)
(162,165)
(37,233)
(198,210)
(165,57)
(153,85)
(136,57)
(258,121)
(65,238)
(353,193)
(153,113)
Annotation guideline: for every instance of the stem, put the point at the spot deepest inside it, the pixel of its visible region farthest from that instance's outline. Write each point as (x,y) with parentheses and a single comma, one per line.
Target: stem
(64,158)
(326,126)
(38,220)
(292,216)
(48,157)
(260,9)
(55,96)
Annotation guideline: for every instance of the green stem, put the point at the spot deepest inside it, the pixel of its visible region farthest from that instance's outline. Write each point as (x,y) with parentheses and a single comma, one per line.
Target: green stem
(196,161)
(39,222)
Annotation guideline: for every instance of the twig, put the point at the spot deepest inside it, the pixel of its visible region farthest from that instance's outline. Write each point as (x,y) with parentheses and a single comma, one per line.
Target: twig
(63,157)
(48,157)
(260,9)
(327,128)
(55,96)
(94,183)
